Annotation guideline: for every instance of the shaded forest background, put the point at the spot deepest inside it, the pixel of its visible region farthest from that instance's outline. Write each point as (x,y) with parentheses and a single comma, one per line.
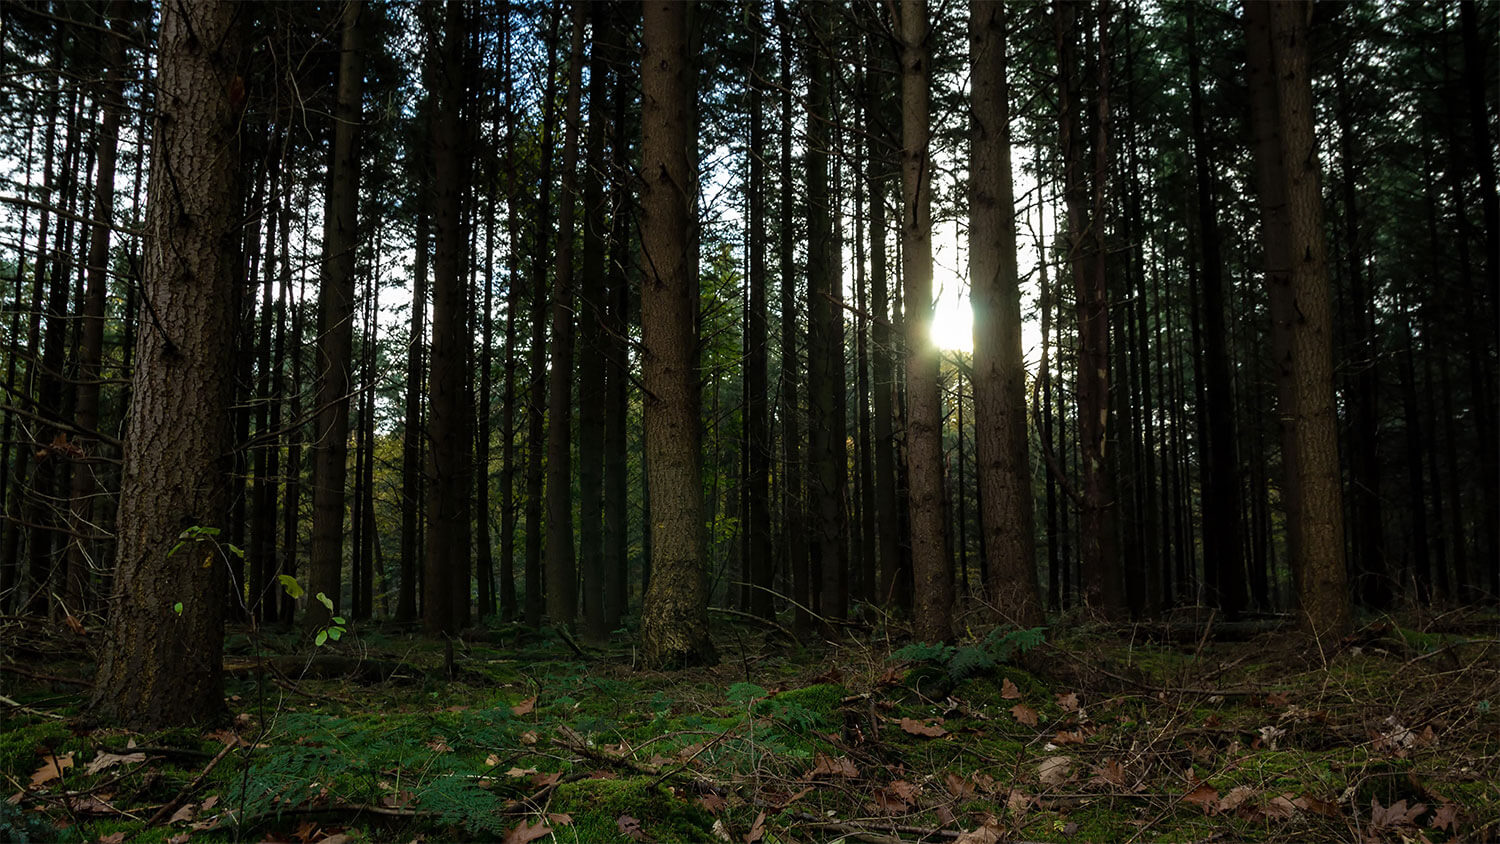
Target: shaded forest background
(433,330)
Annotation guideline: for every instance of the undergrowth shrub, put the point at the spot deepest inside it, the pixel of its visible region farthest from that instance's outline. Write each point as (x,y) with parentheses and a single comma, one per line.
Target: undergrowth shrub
(962,661)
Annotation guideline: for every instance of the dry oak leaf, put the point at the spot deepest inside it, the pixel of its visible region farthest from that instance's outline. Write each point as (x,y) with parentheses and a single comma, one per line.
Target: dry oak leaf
(560,818)
(918,728)
(112,838)
(1068,737)
(1111,772)
(630,826)
(528,832)
(1054,770)
(757,829)
(888,802)
(109,760)
(1068,701)
(712,803)
(987,834)
(1280,807)
(529,737)
(1205,797)
(1316,806)
(1445,817)
(52,769)
(1235,798)
(542,780)
(1396,814)
(1025,714)
(1008,690)
(958,786)
(184,814)
(985,782)
(944,815)
(1018,801)
(520,772)
(831,766)
(525,707)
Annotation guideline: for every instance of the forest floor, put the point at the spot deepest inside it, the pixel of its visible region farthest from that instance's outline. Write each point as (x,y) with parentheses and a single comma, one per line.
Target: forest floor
(1123,733)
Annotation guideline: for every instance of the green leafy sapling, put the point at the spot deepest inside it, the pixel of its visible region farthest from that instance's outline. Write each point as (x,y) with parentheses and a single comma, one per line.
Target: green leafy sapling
(335,630)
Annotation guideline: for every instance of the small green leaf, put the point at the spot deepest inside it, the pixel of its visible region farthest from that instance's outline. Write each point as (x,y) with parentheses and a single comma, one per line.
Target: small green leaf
(177,608)
(235,550)
(338,619)
(322,638)
(290,585)
(325,601)
(335,633)
(174,550)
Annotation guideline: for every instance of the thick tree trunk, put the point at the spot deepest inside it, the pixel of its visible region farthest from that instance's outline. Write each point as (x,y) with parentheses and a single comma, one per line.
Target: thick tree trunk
(336,329)
(1004,470)
(1322,586)
(1276,257)
(674,620)
(162,663)
(933,594)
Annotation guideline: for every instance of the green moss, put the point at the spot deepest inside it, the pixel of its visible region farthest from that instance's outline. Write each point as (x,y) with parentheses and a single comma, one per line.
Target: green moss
(20,746)
(597,805)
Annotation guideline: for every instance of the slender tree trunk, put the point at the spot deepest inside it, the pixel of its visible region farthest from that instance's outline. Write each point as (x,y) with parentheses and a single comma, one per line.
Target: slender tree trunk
(562,574)
(85,485)
(513,304)
(757,418)
(674,620)
(826,436)
(1003,468)
(336,328)
(1102,580)
(162,661)
(617,319)
(445,605)
(793,523)
(933,598)
(591,364)
(414,437)
(537,400)
(1220,463)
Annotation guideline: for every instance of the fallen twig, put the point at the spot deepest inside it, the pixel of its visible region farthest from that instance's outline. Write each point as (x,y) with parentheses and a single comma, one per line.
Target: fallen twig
(182,796)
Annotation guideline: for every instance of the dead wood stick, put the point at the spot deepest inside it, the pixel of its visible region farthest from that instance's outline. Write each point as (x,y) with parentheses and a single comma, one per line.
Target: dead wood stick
(182,796)
(50,678)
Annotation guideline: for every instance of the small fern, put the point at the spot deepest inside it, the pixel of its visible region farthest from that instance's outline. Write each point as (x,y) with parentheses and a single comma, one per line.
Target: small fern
(1001,645)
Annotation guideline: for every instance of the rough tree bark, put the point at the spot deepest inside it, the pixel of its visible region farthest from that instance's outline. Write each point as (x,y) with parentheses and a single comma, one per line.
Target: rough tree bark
(162,666)
(674,620)
(933,598)
(1004,470)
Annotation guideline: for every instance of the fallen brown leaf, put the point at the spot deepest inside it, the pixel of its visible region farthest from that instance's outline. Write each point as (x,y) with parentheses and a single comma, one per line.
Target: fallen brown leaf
(437,745)
(1235,798)
(1445,817)
(560,818)
(104,761)
(987,834)
(757,829)
(1008,690)
(1205,797)
(52,769)
(544,780)
(958,786)
(1053,770)
(1068,701)
(712,803)
(525,707)
(918,728)
(112,838)
(831,766)
(528,832)
(629,827)
(1024,714)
